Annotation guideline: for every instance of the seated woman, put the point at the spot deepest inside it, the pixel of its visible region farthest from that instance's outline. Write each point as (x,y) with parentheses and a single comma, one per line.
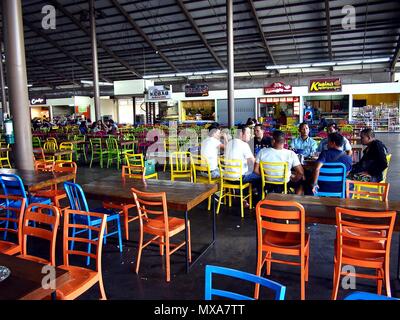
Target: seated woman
(373,161)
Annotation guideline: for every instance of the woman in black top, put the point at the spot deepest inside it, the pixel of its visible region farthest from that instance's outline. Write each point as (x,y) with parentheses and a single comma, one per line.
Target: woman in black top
(373,161)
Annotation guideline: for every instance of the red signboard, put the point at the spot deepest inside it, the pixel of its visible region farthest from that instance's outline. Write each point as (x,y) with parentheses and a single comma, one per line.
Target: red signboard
(278,88)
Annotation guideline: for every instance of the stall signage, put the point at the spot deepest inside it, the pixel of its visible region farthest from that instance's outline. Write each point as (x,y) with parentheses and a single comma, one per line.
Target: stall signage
(37,101)
(158,93)
(196,90)
(325,85)
(277,88)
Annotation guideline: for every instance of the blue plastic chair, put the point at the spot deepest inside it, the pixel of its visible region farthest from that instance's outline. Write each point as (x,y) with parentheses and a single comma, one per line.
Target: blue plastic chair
(334,172)
(360,295)
(210,291)
(12,185)
(77,201)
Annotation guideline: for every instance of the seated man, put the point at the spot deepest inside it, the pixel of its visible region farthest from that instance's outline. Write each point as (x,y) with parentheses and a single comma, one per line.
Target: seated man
(210,148)
(259,141)
(333,154)
(373,161)
(305,143)
(323,145)
(279,154)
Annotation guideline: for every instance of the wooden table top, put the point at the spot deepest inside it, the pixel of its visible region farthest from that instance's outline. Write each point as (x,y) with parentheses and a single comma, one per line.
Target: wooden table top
(181,196)
(38,180)
(25,280)
(322,209)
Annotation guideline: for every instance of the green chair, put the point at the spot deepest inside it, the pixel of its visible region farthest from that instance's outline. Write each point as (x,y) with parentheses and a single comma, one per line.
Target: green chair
(98,153)
(113,152)
(36,143)
(80,148)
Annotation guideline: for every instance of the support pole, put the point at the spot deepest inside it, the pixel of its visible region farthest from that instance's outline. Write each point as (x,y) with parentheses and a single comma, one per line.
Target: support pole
(96,89)
(17,83)
(231,66)
(4,105)
(134,110)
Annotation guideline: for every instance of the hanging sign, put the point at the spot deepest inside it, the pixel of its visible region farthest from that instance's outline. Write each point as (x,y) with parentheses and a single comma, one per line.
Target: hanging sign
(277,88)
(158,93)
(196,90)
(325,85)
(37,101)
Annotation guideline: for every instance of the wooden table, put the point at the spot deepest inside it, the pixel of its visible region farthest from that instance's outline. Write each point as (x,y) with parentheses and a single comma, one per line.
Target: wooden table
(322,209)
(38,180)
(25,280)
(181,196)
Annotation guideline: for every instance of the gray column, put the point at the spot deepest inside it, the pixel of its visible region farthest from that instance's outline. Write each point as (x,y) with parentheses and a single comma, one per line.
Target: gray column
(3,87)
(231,66)
(95,66)
(17,83)
(134,110)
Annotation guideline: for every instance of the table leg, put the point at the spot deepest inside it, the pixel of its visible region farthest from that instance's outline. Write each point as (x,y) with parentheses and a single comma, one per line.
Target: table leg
(186,239)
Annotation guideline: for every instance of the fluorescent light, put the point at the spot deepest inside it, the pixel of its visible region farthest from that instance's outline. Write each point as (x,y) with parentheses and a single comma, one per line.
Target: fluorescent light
(199,73)
(100,83)
(323,64)
(28,85)
(376,60)
(300,65)
(348,62)
(220,71)
(276,67)
(184,74)
(168,75)
(151,76)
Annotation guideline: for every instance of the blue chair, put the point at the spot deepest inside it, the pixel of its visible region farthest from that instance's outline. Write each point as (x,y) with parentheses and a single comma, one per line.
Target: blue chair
(77,201)
(11,185)
(334,172)
(210,291)
(359,295)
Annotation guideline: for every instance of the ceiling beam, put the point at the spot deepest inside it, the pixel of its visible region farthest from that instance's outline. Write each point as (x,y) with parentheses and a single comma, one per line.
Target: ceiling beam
(45,66)
(260,30)
(55,44)
(396,55)
(199,33)
(99,42)
(328,29)
(146,38)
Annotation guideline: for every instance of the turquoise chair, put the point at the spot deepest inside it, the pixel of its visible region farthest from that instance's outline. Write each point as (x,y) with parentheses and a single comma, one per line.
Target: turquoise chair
(334,172)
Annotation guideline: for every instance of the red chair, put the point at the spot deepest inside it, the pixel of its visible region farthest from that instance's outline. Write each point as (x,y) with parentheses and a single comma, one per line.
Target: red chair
(41,215)
(12,208)
(82,279)
(282,231)
(154,220)
(363,240)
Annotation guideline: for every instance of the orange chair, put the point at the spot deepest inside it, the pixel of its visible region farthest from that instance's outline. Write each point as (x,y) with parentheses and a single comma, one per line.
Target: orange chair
(136,172)
(43,166)
(12,208)
(282,231)
(54,193)
(363,240)
(377,191)
(41,215)
(82,279)
(156,222)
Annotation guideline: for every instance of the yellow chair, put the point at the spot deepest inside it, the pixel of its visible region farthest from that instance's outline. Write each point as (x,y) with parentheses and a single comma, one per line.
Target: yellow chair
(5,157)
(50,145)
(230,180)
(366,190)
(170,145)
(202,173)
(66,157)
(180,165)
(273,171)
(384,173)
(135,166)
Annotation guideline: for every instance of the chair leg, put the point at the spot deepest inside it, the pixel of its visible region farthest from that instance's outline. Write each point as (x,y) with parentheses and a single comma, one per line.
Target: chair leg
(126,218)
(119,233)
(379,281)
(387,281)
(241,203)
(250,197)
(91,160)
(161,244)
(306,267)
(302,279)
(139,255)
(89,247)
(101,287)
(269,263)
(209,203)
(258,273)
(219,199)
(336,279)
(167,260)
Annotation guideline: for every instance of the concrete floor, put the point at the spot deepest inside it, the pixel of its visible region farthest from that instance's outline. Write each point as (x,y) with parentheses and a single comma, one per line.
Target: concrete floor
(235,248)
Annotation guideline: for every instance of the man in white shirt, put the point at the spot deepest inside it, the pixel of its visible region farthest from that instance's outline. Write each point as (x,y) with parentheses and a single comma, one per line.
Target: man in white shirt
(210,148)
(279,154)
(239,149)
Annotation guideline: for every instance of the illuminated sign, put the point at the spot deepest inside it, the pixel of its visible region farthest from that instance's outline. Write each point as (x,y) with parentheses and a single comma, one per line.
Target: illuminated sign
(278,88)
(37,101)
(325,85)
(196,90)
